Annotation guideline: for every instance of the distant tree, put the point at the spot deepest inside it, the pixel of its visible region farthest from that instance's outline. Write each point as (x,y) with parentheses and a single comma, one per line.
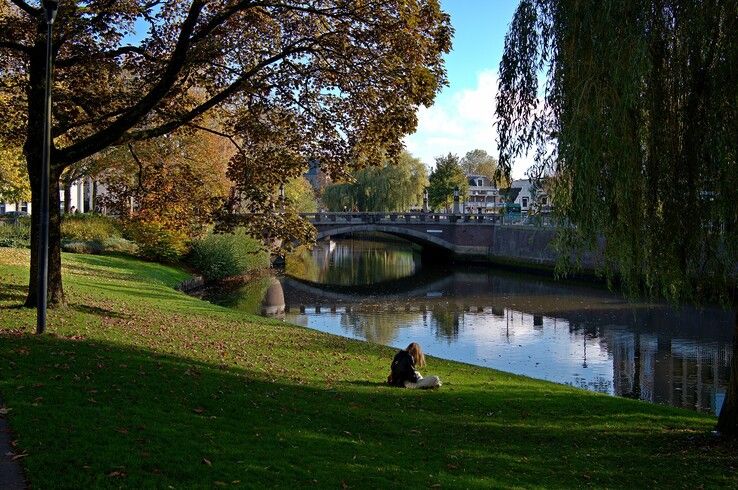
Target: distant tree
(392,186)
(447,176)
(14,185)
(300,195)
(479,162)
(638,123)
(339,196)
(291,80)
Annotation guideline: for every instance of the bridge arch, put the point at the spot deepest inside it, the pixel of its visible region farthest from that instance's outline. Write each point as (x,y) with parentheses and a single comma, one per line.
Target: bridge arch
(419,237)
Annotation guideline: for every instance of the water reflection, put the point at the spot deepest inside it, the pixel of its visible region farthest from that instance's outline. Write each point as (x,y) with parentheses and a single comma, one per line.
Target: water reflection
(351,262)
(582,336)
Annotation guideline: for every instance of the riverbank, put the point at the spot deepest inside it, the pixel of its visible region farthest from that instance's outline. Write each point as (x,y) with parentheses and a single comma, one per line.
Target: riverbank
(140,386)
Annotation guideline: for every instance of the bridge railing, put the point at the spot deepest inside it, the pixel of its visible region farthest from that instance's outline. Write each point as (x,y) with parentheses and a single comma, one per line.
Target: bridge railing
(382,217)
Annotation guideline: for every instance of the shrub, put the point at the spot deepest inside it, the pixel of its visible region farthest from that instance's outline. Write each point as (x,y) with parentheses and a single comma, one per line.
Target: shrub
(89,227)
(119,245)
(157,243)
(108,246)
(217,256)
(86,247)
(16,233)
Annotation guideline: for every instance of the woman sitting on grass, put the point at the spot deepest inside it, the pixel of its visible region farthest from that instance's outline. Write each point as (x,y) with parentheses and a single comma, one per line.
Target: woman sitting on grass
(403,372)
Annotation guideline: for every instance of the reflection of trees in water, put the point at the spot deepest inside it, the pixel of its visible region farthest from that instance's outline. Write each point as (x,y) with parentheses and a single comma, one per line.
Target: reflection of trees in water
(599,384)
(380,328)
(247,298)
(354,262)
(657,367)
(446,321)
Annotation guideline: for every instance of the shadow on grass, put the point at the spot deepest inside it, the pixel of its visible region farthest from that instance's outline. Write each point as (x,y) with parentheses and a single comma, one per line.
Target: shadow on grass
(12,293)
(123,265)
(78,270)
(96,310)
(103,414)
(366,383)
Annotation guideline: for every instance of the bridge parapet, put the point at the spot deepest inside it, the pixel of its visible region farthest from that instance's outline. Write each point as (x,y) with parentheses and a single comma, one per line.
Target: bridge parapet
(398,218)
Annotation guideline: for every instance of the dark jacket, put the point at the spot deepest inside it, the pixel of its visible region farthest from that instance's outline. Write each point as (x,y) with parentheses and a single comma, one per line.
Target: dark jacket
(403,369)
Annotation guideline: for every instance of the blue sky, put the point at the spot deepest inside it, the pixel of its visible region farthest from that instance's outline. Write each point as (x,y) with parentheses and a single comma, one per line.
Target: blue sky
(462,117)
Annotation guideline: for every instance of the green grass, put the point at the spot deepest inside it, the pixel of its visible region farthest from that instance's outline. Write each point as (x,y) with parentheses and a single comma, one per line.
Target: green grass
(140,386)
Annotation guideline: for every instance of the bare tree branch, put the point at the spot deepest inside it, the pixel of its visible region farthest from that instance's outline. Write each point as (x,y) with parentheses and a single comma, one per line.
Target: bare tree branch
(32,11)
(67,62)
(217,133)
(105,137)
(21,48)
(220,97)
(140,186)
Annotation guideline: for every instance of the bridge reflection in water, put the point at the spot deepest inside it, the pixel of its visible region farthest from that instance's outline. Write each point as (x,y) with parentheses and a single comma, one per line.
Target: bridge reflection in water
(579,335)
(567,334)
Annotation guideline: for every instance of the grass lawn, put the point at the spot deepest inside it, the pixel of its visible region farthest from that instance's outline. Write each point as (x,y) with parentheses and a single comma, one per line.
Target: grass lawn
(141,386)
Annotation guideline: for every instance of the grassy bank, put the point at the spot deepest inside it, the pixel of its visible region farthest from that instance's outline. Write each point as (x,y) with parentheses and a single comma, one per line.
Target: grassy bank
(141,386)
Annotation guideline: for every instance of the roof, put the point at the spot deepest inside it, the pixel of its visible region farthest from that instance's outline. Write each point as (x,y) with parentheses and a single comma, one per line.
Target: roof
(510,194)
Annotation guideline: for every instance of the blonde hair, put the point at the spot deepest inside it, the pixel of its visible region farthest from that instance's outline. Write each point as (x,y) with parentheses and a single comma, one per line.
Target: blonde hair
(414,350)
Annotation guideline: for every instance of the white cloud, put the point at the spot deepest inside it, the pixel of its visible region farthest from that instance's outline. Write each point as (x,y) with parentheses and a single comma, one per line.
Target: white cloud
(460,121)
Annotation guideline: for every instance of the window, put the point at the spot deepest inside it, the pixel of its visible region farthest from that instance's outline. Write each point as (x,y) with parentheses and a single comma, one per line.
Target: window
(480,182)
(525,202)
(24,207)
(2,208)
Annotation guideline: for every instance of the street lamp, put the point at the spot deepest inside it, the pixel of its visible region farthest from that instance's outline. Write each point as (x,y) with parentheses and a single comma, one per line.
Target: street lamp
(281,196)
(456,200)
(425,199)
(50,9)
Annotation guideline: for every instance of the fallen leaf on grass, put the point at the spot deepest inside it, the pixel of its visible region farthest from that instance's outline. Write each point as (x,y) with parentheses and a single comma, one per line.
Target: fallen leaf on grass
(117,474)
(198,410)
(207,461)
(18,456)
(5,411)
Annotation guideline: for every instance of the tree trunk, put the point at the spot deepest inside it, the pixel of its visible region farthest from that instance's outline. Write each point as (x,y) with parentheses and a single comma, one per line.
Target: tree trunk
(93,197)
(67,196)
(55,291)
(728,420)
(33,153)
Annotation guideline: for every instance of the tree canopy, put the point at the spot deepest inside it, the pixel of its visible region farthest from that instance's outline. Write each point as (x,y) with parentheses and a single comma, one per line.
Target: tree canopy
(392,186)
(14,185)
(290,81)
(178,182)
(447,176)
(479,162)
(637,124)
(300,194)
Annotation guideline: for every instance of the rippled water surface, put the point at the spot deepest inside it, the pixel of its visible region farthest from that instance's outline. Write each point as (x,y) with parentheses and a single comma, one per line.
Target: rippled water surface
(578,335)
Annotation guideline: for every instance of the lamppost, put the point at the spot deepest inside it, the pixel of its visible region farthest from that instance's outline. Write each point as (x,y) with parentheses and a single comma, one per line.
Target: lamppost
(425,199)
(456,200)
(281,197)
(50,9)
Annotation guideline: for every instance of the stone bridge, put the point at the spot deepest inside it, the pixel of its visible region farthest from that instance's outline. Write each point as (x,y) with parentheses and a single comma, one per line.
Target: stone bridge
(483,238)
(461,235)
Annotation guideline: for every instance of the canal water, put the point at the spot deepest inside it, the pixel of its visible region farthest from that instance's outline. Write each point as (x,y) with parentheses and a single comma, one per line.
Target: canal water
(381,291)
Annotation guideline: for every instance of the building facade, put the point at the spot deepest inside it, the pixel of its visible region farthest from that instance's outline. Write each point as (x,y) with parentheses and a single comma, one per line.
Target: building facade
(81,199)
(482,197)
(529,196)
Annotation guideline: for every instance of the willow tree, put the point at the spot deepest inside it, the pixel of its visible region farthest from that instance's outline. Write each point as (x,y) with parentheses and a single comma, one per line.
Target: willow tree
(392,185)
(631,107)
(289,80)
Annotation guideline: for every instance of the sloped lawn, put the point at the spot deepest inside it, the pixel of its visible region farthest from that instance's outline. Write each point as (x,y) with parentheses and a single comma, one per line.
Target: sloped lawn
(140,386)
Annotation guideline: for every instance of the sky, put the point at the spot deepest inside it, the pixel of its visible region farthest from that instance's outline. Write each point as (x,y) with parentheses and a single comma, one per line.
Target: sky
(461,119)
